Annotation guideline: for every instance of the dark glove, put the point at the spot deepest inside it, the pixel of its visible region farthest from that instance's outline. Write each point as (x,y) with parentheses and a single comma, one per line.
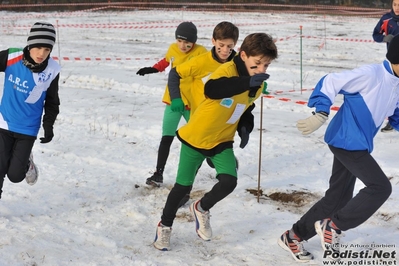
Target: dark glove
(146,70)
(388,38)
(257,79)
(48,135)
(177,105)
(244,135)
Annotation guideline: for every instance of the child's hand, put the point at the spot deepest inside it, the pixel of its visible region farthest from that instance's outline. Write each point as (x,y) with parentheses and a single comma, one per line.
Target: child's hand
(48,135)
(244,135)
(146,70)
(177,105)
(257,79)
(312,123)
(388,38)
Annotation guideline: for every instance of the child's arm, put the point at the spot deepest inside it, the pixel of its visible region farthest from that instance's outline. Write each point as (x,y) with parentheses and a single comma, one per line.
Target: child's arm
(161,65)
(177,104)
(225,87)
(381,29)
(51,110)
(158,67)
(394,119)
(174,84)
(3,60)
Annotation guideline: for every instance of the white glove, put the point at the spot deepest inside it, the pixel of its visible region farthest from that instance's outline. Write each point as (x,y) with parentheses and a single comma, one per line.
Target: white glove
(387,38)
(312,123)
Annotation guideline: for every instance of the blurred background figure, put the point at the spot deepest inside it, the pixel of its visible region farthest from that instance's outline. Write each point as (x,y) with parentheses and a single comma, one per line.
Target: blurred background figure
(386,28)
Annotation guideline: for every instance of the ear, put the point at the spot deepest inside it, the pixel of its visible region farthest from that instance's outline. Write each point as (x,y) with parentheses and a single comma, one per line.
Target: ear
(213,42)
(243,56)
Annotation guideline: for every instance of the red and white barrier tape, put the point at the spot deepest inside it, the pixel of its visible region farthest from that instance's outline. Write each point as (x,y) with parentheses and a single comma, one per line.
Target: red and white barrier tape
(66,58)
(280,92)
(333,108)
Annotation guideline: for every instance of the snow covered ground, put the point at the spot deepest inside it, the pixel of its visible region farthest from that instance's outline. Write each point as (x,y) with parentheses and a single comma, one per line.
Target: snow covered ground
(91,205)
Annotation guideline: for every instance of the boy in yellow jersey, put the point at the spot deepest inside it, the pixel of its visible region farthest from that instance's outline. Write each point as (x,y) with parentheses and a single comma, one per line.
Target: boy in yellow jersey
(182,50)
(230,93)
(224,39)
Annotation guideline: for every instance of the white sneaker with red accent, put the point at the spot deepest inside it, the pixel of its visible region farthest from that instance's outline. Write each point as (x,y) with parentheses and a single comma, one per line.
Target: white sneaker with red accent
(329,237)
(32,174)
(202,221)
(294,247)
(162,237)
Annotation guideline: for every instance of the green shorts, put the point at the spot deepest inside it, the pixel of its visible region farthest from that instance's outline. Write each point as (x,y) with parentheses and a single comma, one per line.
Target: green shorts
(171,121)
(191,160)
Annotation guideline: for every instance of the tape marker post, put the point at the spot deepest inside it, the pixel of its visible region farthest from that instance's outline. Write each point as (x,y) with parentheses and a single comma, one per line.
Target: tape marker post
(264,91)
(266,94)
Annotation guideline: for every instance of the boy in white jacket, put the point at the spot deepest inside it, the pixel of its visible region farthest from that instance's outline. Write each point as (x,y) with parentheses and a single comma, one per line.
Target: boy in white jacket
(371,93)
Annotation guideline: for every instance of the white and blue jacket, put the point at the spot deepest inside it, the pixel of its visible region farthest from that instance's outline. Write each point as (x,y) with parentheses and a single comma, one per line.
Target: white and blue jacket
(25,94)
(371,93)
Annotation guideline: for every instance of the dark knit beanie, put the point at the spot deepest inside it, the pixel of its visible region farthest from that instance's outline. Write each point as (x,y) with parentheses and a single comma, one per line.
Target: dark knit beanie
(186,31)
(41,34)
(393,50)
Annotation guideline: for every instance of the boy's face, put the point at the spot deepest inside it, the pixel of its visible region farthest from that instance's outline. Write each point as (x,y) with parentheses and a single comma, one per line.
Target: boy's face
(395,7)
(224,48)
(185,46)
(39,54)
(255,64)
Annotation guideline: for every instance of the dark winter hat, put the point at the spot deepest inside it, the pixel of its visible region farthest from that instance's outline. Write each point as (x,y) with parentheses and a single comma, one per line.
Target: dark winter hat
(393,50)
(186,31)
(42,34)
